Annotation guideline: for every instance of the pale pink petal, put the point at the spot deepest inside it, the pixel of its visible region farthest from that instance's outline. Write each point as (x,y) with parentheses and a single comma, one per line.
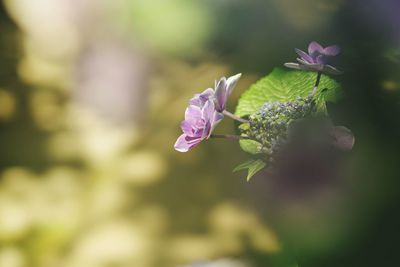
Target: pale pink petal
(231,83)
(187,128)
(207,130)
(221,94)
(196,139)
(310,66)
(332,50)
(193,113)
(314,47)
(332,70)
(208,110)
(321,59)
(200,99)
(196,101)
(292,65)
(192,129)
(185,143)
(304,56)
(217,118)
(206,94)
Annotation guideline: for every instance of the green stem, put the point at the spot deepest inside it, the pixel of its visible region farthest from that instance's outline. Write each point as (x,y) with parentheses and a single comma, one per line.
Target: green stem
(316,84)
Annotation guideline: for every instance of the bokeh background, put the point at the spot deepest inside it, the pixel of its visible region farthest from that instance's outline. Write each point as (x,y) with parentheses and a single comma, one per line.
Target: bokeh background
(91,96)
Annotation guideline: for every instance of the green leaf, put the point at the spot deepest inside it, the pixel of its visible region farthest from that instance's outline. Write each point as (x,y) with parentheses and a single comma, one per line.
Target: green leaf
(250,146)
(287,85)
(253,166)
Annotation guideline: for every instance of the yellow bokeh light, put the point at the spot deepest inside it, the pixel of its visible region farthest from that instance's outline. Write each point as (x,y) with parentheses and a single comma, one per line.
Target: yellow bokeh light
(8,105)
(12,257)
(142,168)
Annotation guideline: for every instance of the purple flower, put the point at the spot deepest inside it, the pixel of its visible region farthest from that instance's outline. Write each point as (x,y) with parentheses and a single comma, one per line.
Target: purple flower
(204,113)
(317,59)
(223,89)
(198,125)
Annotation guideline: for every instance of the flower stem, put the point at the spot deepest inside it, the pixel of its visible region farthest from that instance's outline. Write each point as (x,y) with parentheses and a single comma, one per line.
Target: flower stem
(228,136)
(316,84)
(233,116)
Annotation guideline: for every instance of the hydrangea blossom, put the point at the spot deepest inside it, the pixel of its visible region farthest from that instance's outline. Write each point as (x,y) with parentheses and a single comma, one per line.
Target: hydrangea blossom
(270,124)
(198,125)
(317,59)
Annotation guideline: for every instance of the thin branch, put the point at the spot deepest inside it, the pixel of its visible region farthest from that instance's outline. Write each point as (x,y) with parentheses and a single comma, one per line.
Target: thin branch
(229,136)
(233,116)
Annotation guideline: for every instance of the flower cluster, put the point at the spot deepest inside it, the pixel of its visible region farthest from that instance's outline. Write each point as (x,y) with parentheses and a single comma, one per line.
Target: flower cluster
(204,112)
(270,124)
(317,59)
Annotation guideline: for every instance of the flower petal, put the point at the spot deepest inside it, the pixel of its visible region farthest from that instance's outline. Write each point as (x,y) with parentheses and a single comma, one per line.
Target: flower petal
(231,83)
(185,143)
(221,94)
(304,56)
(314,48)
(187,127)
(206,94)
(217,118)
(320,59)
(331,70)
(310,66)
(292,65)
(332,50)
(208,110)
(195,101)
(193,129)
(193,113)
(207,130)
(200,99)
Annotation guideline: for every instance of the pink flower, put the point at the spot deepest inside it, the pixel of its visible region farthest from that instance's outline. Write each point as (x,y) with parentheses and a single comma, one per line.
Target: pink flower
(204,112)
(198,125)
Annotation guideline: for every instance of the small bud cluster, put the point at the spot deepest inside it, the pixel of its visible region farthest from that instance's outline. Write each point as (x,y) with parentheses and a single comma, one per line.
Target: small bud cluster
(270,124)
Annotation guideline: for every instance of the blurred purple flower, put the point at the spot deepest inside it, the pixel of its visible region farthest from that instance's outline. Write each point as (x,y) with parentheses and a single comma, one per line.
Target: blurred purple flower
(316,59)
(198,125)
(223,89)
(343,138)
